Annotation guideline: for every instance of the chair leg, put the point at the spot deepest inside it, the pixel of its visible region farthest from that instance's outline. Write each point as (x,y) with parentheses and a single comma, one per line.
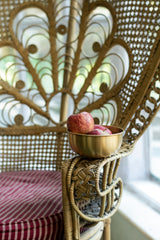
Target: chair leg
(107,230)
(67,213)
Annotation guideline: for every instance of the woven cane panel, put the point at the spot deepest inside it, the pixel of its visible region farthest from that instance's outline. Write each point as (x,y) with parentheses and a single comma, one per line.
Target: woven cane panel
(146,111)
(48,62)
(33,152)
(6,6)
(138,24)
(62,57)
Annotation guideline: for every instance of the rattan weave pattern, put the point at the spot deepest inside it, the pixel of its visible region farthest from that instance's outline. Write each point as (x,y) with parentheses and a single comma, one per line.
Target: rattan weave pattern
(59,57)
(6,6)
(138,25)
(146,110)
(34,152)
(135,28)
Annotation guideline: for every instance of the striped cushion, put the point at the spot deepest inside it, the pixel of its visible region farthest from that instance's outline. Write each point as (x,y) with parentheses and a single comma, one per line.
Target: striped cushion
(31,205)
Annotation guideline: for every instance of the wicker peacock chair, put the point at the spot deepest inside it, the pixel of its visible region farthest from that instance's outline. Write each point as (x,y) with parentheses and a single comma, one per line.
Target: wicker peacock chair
(59,57)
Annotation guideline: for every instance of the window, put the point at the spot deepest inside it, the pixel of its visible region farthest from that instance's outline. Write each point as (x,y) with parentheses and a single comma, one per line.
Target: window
(140,206)
(141,170)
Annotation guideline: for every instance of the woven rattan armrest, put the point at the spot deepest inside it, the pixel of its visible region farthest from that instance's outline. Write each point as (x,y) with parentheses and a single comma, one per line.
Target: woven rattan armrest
(91,190)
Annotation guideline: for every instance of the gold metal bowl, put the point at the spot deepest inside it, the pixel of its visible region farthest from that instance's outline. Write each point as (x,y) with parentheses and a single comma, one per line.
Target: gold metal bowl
(96,146)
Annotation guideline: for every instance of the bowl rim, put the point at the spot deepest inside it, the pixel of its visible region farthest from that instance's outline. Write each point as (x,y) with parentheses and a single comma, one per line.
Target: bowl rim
(90,135)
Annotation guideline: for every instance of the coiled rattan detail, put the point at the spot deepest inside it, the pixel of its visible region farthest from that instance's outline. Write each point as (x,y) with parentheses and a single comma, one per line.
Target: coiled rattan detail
(94,181)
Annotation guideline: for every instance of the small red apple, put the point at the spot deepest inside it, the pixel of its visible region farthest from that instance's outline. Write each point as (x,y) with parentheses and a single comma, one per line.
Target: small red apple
(105,129)
(96,132)
(108,131)
(99,132)
(80,123)
(97,126)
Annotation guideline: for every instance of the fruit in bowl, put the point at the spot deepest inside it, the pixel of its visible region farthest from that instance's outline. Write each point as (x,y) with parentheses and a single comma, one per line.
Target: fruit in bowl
(100,130)
(100,141)
(80,123)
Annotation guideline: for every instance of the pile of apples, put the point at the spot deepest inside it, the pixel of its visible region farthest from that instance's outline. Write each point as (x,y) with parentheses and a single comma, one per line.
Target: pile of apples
(84,123)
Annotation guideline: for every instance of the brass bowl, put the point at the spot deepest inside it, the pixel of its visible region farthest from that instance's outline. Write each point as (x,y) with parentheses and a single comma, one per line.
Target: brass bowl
(96,146)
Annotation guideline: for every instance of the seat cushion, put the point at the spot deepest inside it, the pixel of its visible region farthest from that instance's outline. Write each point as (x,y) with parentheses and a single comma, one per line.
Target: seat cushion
(31,205)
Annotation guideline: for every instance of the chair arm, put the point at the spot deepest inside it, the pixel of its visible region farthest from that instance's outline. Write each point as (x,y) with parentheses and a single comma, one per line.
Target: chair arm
(94,192)
(92,184)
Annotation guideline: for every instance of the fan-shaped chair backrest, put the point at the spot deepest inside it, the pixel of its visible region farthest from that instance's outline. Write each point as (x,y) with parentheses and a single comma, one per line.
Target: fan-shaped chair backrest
(62,57)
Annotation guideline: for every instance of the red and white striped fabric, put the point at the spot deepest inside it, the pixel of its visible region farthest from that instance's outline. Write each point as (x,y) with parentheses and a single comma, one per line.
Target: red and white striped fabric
(31,205)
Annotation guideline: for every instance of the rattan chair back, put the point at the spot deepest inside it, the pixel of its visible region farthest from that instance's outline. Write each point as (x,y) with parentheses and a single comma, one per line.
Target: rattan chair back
(59,57)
